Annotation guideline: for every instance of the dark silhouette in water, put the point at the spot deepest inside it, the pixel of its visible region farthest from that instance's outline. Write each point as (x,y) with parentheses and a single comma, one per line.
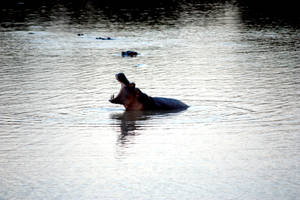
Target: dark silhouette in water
(133,98)
(129,53)
(103,38)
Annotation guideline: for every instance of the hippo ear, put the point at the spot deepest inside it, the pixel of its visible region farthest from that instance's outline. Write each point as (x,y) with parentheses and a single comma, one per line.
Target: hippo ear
(132,85)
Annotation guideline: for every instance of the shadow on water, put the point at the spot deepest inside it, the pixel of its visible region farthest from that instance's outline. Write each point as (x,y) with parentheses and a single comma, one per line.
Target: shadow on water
(261,14)
(23,13)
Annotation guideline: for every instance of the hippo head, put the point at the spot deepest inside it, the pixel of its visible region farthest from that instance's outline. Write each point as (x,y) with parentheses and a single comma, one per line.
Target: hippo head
(128,95)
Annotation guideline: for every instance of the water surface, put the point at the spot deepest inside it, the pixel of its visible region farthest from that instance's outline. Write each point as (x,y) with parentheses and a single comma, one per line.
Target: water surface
(60,138)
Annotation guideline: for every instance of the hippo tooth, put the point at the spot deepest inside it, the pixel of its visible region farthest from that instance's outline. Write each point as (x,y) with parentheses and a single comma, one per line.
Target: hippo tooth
(112,96)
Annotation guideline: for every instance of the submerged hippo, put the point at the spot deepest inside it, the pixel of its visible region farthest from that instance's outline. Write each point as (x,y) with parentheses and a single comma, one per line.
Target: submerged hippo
(129,53)
(103,38)
(133,98)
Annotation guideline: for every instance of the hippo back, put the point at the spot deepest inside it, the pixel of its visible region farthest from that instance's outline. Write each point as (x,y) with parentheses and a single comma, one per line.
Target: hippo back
(168,104)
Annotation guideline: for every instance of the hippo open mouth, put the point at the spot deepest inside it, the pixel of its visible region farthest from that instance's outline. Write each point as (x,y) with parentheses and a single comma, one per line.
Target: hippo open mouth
(124,82)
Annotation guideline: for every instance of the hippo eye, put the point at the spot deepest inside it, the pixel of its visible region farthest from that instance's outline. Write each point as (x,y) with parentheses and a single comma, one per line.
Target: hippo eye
(132,85)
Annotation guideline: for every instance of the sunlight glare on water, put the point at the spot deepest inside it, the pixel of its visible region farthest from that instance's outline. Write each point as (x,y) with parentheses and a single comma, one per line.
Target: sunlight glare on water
(60,137)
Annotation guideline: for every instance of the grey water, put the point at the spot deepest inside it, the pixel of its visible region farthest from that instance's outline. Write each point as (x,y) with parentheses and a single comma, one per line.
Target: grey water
(60,137)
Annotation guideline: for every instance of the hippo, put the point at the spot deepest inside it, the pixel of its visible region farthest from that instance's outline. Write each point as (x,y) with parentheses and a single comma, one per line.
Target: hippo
(133,98)
(102,38)
(129,54)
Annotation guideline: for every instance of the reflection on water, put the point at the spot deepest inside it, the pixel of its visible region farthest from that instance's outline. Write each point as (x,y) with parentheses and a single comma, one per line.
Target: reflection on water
(130,121)
(234,64)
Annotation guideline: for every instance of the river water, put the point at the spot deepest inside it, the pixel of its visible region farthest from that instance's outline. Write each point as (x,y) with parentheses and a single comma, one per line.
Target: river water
(60,137)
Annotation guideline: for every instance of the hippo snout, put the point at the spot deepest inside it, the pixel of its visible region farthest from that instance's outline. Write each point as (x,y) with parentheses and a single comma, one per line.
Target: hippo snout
(122,79)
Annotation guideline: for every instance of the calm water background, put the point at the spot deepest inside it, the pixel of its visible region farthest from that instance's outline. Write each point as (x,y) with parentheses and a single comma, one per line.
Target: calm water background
(60,138)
